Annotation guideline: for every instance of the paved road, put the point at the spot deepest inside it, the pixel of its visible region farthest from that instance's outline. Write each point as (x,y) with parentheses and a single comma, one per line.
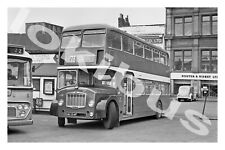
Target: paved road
(45,129)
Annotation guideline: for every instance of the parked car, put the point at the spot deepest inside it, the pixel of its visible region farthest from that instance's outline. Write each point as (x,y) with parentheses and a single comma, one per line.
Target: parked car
(186,93)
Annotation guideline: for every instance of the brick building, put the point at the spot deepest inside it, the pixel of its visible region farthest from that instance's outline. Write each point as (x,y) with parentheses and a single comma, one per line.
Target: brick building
(191,40)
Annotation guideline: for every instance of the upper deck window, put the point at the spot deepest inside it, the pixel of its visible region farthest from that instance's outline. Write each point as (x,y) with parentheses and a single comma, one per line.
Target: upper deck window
(71,40)
(114,40)
(127,44)
(138,49)
(93,38)
(163,58)
(156,56)
(148,53)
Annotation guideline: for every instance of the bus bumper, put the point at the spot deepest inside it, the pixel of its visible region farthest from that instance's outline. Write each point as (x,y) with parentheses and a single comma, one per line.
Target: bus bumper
(19,122)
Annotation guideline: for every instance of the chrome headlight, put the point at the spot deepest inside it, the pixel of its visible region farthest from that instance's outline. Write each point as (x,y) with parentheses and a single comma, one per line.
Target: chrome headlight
(20,107)
(61,101)
(22,113)
(91,103)
(26,106)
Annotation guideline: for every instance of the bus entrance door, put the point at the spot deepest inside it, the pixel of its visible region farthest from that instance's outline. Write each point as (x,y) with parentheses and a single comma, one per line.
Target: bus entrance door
(129,95)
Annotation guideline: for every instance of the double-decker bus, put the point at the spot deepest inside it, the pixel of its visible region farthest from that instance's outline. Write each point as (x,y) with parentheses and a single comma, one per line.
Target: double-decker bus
(94,82)
(19,86)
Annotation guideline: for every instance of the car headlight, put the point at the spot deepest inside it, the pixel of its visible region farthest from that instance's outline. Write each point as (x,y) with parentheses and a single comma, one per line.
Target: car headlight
(22,113)
(91,103)
(25,106)
(60,102)
(20,107)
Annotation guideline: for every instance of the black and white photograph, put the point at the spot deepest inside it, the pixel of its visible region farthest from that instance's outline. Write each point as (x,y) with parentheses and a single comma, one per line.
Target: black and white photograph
(112,74)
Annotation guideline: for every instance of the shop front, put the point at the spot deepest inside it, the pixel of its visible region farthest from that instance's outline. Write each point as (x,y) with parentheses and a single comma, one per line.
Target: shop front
(196,80)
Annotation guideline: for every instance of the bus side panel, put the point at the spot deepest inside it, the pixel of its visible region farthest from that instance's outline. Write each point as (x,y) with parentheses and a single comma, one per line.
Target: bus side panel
(140,106)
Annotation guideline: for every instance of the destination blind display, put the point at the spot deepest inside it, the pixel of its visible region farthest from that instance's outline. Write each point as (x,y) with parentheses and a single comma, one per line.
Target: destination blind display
(15,50)
(79,57)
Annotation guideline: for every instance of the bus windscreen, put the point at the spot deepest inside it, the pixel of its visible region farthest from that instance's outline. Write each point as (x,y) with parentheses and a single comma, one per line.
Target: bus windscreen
(19,72)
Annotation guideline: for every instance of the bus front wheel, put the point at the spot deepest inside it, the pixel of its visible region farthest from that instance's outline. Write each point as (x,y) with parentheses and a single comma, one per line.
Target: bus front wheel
(112,116)
(61,122)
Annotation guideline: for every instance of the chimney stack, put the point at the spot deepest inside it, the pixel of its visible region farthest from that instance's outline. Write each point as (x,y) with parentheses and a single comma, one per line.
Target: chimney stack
(127,23)
(120,21)
(123,22)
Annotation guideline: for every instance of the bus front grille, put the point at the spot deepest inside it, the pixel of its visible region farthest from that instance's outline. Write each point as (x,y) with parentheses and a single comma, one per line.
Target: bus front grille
(76,100)
(11,112)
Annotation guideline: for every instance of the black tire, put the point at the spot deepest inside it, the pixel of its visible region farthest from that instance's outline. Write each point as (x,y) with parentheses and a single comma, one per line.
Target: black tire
(54,109)
(112,116)
(159,105)
(61,122)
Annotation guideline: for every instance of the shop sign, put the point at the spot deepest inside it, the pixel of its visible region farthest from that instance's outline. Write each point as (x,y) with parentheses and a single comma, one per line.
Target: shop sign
(192,76)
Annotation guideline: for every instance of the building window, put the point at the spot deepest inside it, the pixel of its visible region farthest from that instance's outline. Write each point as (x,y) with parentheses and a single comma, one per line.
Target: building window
(209,25)
(206,25)
(183,26)
(178,26)
(178,60)
(209,60)
(182,60)
(214,61)
(187,60)
(214,24)
(188,26)
(205,61)
(168,26)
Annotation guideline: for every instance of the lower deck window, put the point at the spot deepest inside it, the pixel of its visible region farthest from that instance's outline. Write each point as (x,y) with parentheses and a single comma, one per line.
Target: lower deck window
(36,84)
(48,86)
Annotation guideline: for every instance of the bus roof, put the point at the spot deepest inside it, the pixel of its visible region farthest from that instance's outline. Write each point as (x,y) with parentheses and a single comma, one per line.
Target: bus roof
(105,26)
